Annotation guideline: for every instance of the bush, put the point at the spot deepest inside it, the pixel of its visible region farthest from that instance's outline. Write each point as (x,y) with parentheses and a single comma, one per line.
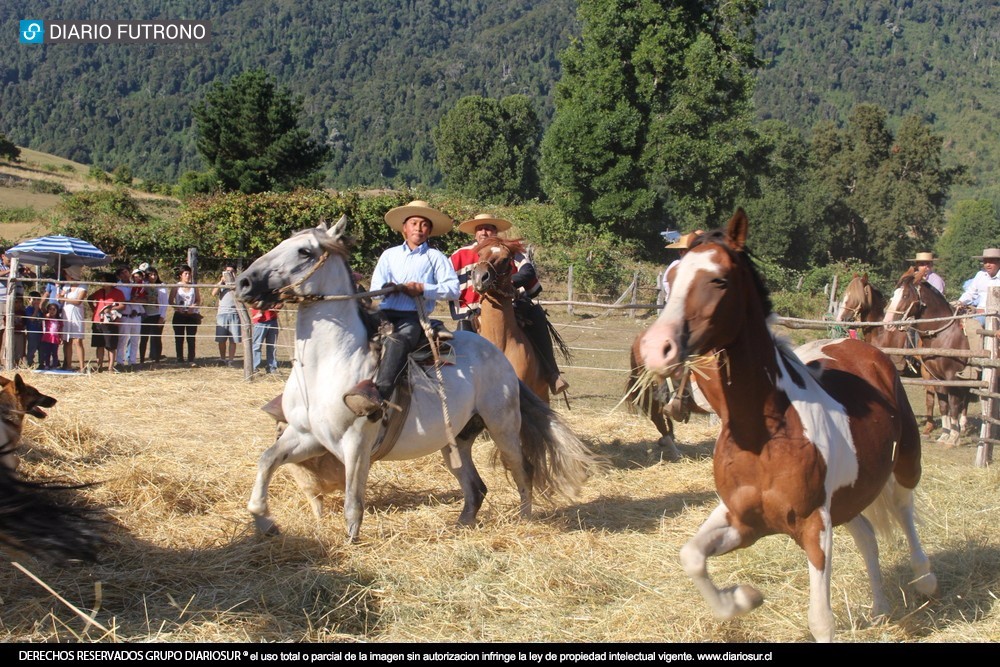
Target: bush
(47,187)
(8,151)
(97,174)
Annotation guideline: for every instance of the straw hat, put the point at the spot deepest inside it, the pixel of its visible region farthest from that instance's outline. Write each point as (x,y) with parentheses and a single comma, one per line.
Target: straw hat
(684,242)
(74,271)
(989,253)
(923,257)
(469,226)
(442,223)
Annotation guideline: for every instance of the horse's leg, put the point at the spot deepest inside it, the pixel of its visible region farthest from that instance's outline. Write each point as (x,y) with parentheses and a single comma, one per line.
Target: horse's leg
(901,505)
(864,536)
(290,447)
(357,462)
(473,486)
(954,404)
(946,424)
(503,422)
(716,537)
(930,396)
(821,621)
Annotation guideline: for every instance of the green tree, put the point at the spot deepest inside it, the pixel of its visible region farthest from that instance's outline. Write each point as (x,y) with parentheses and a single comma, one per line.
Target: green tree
(875,196)
(973,225)
(488,149)
(248,133)
(8,151)
(653,115)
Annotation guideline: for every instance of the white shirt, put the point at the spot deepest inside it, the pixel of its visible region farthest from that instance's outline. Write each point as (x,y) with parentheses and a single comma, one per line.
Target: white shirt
(975,293)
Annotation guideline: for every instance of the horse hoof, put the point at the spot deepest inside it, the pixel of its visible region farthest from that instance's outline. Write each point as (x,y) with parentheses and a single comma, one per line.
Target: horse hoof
(266,526)
(747,598)
(928,428)
(927,585)
(945,434)
(669,452)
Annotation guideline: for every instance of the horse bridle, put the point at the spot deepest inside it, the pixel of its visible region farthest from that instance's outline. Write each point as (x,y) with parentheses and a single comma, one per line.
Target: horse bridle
(499,286)
(920,305)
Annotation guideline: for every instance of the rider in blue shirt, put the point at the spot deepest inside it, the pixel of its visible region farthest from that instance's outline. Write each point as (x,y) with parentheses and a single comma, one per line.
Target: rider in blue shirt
(417,270)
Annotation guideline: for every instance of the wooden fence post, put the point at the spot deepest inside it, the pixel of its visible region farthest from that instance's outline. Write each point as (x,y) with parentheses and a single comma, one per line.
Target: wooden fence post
(8,314)
(660,301)
(635,293)
(569,290)
(833,295)
(988,405)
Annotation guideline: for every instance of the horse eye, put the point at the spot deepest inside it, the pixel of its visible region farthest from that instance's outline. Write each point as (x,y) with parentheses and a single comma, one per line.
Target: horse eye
(305,252)
(720,283)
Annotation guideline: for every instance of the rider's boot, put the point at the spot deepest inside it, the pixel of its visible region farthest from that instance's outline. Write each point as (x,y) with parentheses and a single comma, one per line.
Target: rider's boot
(364,400)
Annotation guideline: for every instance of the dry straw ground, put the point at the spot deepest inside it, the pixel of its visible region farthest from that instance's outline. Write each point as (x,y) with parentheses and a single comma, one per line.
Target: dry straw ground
(172,453)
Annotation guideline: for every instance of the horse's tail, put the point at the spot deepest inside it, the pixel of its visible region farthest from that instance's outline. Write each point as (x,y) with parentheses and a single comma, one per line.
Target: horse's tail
(557,338)
(38,518)
(558,461)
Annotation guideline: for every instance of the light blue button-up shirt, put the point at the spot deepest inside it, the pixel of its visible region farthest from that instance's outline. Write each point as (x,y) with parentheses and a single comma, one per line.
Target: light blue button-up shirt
(423,264)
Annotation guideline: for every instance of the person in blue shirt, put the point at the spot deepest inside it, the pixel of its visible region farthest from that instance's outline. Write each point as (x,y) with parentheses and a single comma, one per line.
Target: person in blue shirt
(417,270)
(33,315)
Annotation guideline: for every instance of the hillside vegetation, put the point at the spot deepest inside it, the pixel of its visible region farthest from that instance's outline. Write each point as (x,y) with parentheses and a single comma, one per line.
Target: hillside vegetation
(377,76)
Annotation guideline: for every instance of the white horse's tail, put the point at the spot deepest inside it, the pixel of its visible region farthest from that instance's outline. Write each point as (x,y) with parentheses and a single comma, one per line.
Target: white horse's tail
(883,510)
(558,461)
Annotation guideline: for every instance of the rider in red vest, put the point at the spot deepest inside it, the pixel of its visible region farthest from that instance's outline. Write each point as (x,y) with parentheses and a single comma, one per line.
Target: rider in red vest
(529,313)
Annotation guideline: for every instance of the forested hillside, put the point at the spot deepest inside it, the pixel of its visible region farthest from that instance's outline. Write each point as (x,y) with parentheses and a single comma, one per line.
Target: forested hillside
(934,58)
(377,75)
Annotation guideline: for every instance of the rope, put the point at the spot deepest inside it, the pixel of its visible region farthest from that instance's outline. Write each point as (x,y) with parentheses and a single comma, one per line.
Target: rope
(435,352)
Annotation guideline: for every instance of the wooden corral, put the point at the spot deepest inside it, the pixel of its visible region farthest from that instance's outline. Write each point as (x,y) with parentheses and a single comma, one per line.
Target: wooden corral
(173,452)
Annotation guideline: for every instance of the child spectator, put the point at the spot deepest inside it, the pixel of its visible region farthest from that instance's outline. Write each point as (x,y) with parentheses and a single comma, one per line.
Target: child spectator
(51,336)
(33,316)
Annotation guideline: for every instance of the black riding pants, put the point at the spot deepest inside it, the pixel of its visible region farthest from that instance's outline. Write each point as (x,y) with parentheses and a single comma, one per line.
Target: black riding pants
(535,323)
(407,334)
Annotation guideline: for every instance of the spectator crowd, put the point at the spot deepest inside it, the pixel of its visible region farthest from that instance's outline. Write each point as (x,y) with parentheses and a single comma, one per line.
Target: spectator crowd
(126,312)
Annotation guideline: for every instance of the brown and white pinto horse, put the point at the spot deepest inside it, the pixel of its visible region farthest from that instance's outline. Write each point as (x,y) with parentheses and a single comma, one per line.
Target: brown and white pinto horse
(917,300)
(492,278)
(806,444)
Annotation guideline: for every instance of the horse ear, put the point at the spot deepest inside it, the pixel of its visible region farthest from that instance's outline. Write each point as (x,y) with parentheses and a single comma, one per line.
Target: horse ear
(736,230)
(322,225)
(338,229)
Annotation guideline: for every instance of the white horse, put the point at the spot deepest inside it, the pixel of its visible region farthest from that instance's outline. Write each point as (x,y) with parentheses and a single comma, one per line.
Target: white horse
(332,354)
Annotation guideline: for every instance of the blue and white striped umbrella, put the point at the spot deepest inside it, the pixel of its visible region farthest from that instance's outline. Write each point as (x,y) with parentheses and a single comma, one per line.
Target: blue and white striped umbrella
(58,251)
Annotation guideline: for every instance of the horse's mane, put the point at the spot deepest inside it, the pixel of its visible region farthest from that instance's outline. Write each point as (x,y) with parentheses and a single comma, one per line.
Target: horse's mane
(742,257)
(513,245)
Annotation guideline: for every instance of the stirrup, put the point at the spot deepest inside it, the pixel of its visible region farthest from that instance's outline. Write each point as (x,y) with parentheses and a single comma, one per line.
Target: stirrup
(364,400)
(560,385)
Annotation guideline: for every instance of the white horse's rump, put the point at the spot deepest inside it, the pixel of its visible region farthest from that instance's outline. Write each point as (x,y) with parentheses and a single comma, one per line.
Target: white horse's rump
(332,355)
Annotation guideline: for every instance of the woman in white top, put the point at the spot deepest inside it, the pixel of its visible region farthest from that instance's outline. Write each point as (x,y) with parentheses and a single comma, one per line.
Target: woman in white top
(186,301)
(72,297)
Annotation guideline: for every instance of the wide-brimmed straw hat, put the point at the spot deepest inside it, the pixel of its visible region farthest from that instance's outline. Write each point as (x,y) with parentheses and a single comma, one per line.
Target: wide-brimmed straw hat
(73,271)
(989,253)
(923,257)
(442,222)
(684,242)
(469,226)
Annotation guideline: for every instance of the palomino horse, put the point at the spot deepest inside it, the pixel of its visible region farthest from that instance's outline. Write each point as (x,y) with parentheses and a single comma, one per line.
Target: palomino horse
(36,517)
(920,300)
(332,354)
(805,445)
(863,302)
(492,279)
